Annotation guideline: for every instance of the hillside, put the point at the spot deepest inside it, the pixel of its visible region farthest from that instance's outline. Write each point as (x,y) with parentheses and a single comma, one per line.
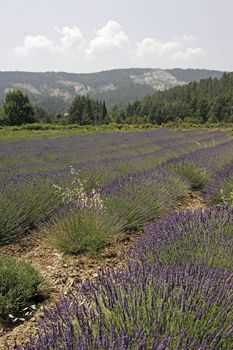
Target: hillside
(54,91)
(209,100)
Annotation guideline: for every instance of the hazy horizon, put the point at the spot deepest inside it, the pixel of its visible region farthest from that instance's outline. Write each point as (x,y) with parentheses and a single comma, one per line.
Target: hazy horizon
(108,70)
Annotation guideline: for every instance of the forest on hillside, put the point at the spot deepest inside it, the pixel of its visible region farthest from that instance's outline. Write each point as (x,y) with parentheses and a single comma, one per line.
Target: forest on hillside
(210,100)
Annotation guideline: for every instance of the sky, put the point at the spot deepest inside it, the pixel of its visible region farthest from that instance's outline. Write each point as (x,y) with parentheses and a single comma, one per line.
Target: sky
(94,35)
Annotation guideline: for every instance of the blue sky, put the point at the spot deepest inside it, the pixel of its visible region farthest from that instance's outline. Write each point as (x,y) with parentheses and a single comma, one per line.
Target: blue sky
(88,36)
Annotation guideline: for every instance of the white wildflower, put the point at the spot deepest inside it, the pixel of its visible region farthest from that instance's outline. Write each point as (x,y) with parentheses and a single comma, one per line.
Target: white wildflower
(77,194)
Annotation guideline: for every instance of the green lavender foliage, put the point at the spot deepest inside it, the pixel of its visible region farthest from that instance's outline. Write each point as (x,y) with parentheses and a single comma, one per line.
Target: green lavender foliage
(20,284)
(197,176)
(23,207)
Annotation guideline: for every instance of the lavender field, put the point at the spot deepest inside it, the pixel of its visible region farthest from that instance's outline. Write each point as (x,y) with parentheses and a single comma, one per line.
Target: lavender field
(149,167)
(176,290)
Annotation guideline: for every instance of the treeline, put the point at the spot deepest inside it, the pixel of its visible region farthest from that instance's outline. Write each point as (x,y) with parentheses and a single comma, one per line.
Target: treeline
(207,101)
(210,100)
(18,110)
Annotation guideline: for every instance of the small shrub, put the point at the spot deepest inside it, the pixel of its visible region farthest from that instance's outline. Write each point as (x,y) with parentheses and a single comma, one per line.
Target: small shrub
(88,226)
(20,284)
(130,211)
(141,202)
(23,207)
(83,231)
(197,176)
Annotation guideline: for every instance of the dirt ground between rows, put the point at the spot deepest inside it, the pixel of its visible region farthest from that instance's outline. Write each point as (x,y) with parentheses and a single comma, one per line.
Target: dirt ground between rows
(64,271)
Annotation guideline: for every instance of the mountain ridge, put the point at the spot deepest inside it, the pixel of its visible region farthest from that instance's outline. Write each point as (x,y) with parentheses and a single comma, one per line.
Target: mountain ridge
(55,90)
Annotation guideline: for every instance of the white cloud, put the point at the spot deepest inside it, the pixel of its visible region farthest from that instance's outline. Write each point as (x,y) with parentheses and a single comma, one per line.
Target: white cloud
(109,37)
(110,47)
(34,42)
(177,48)
(72,38)
(150,46)
(188,53)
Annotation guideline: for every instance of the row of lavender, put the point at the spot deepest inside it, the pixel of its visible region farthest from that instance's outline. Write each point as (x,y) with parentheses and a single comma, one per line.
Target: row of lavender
(131,165)
(213,163)
(176,293)
(48,158)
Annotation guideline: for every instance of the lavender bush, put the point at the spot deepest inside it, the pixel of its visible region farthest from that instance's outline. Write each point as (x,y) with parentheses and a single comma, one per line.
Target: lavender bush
(160,300)
(219,191)
(23,207)
(87,225)
(20,285)
(196,175)
(143,308)
(205,235)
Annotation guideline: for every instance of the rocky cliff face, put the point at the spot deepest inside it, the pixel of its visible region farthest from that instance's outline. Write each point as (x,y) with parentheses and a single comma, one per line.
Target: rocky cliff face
(158,79)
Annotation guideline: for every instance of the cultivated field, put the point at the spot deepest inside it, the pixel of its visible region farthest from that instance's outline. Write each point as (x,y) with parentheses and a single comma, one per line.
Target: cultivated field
(83,195)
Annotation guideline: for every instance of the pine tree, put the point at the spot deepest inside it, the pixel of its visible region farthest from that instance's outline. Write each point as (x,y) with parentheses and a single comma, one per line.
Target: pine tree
(104,113)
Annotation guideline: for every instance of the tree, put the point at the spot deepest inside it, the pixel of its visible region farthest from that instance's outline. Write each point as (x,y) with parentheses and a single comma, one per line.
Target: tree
(18,109)
(104,113)
(87,111)
(2,117)
(76,110)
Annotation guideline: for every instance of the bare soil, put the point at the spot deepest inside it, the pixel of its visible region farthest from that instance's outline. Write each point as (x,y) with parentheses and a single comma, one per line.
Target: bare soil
(63,271)
(191,201)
